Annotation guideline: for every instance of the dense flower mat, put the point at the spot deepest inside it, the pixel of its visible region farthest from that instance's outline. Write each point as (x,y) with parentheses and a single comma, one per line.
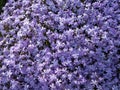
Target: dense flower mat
(60,45)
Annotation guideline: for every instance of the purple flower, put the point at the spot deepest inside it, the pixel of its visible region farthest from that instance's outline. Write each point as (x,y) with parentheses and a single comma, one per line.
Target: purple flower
(60,45)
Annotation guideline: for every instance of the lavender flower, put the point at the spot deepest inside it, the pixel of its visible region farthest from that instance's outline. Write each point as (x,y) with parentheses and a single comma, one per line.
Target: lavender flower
(60,45)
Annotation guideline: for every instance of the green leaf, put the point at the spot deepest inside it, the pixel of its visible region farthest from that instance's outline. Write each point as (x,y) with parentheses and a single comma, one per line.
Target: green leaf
(2,4)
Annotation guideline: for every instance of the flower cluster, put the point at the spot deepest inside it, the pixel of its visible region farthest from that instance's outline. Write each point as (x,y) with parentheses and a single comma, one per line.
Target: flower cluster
(60,45)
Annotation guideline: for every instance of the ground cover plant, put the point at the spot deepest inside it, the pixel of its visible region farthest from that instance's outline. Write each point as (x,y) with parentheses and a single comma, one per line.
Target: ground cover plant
(60,45)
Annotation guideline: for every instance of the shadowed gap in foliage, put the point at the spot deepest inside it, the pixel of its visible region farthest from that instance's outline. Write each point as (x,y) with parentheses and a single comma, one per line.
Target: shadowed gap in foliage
(2,4)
